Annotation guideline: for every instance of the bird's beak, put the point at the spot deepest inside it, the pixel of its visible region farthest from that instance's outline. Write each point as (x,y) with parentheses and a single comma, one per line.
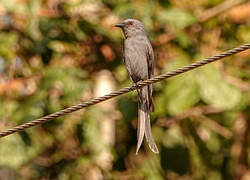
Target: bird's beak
(120,25)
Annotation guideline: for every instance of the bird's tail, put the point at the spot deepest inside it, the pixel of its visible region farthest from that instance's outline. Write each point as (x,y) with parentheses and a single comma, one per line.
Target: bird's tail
(144,126)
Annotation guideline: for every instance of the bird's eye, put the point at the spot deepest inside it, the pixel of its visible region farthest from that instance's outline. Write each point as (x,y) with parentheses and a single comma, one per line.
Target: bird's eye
(131,23)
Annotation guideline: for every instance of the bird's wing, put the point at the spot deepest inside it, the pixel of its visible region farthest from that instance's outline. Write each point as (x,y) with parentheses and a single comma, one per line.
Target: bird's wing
(148,133)
(150,62)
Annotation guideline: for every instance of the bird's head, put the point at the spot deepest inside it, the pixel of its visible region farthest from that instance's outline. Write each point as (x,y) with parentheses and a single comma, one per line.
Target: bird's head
(131,27)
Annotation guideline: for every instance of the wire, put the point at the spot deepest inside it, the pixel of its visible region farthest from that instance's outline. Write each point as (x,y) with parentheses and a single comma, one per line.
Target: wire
(123,91)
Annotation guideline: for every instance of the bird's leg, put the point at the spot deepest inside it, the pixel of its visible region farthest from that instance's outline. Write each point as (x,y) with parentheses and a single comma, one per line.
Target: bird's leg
(137,89)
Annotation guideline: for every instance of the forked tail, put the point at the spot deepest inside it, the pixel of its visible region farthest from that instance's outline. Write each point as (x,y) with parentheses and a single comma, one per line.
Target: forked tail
(144,126)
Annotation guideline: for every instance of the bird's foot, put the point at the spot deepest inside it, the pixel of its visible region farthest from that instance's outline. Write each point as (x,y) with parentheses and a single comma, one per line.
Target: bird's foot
(138,89)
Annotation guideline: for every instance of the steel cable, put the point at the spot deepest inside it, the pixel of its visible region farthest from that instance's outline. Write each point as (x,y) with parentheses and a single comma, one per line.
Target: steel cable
(124,90)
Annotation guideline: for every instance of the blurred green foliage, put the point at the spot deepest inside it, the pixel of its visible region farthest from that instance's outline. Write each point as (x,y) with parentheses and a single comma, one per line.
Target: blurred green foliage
(51,52)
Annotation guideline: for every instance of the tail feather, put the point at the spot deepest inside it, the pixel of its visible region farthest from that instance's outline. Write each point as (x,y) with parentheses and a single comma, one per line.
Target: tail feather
(140,126)
(151,104)
(144,126)
(149,137)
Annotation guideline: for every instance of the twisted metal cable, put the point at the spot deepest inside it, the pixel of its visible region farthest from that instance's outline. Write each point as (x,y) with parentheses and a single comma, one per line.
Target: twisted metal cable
(124,90)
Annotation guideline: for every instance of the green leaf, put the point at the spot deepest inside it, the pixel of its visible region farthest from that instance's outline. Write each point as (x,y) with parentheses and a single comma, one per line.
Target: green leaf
(69,80)
(176,17)
(125,10)
(181,92)
(215,91)
(14,152)
(7,43)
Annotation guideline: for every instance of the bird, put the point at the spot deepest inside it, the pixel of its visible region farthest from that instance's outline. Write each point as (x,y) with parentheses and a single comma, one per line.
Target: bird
(138,56)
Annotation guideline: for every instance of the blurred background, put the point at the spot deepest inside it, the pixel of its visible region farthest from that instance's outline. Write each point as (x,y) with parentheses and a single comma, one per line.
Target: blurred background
(56,53)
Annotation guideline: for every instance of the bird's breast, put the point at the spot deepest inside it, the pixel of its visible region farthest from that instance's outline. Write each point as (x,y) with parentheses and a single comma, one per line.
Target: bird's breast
(136,59)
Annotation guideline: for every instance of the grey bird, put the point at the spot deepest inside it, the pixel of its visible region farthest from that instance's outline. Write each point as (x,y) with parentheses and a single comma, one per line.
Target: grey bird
(139,60)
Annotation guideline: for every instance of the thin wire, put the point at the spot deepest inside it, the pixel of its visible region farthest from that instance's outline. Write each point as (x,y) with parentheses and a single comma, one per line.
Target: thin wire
(123,91)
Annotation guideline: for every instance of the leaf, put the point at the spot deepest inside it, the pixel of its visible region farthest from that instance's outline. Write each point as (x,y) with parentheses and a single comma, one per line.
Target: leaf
(176,17)
(125,10)
(215,91)
(243,33)
(69,80)
(128,108)
(181,92)
(7,42)
(14,153)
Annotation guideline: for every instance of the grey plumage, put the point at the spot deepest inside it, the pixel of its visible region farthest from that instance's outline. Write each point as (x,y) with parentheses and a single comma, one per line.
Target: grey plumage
(139,61)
